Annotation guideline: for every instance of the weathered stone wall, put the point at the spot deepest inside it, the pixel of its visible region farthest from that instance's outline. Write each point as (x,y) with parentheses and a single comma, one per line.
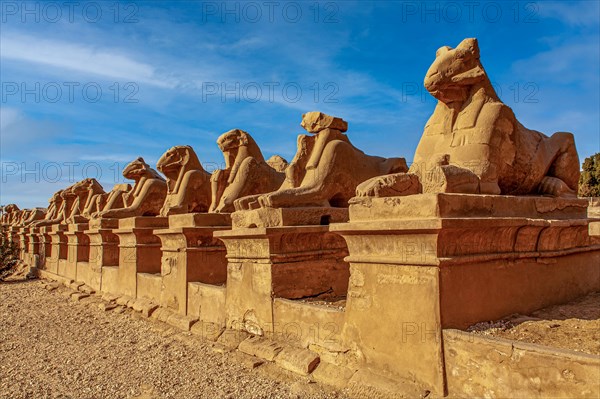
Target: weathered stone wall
(489,290)
(478,366)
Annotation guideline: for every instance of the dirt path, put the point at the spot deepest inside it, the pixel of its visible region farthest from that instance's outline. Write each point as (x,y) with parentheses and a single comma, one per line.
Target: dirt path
(574,325)
(52,347)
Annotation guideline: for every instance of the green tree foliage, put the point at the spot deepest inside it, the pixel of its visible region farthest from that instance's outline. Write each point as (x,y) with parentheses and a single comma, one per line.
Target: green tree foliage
(589,181)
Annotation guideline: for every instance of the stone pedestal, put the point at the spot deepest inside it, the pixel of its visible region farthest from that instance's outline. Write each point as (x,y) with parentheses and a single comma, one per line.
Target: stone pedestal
(58,251)
(425,262)
(277,217)
(190,253)
(23,236)
(292,262)
(103,252)
(139,252)
(13,234)
(35,249)
(78,252)
(45,247)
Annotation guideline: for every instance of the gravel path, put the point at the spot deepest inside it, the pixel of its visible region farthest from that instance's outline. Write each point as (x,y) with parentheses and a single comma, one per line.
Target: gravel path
(52,347)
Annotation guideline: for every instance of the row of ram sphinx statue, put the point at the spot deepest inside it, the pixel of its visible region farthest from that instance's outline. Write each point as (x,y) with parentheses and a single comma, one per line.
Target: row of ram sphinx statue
(370,261)
(472,143)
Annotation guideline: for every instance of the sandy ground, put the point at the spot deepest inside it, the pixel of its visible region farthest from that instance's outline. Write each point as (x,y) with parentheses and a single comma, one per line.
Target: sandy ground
(574,325)
(52,347)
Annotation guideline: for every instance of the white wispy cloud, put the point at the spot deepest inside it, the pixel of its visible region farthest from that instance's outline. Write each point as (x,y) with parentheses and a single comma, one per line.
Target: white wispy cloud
(9,116)
(565,63)
(109,157)
(582,13)
(220,64)
(88,59)
(18,130)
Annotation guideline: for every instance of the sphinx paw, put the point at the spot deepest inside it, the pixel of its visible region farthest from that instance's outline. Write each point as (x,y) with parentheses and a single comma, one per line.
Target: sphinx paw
(555,187)
(245,203)
(369,188)
(266,201)
(397,184)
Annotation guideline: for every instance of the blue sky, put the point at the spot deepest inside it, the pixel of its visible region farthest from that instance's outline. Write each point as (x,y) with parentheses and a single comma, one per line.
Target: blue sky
(88,87)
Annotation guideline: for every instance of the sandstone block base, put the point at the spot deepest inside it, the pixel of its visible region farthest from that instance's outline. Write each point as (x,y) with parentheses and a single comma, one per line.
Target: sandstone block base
(110,280)
(207,303)
(276,217)
(424,262)
(139,251)
(46,246)
(35,251)
(23,242)
(190,253)
(58,249)
(260,347)
(104,252)
(149,286)
(78,249)
(280,262)
(305,324)
(300,361)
